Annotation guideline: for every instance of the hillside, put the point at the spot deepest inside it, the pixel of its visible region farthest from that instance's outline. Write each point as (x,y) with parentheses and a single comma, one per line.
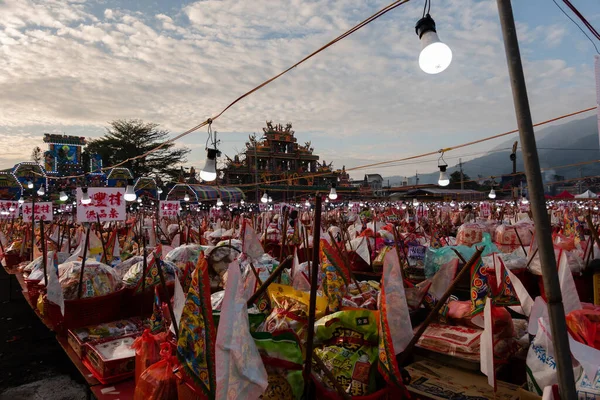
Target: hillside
(564,144)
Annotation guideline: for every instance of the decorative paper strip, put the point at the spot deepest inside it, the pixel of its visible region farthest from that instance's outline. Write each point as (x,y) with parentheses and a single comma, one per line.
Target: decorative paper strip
(395,329)
(196,344)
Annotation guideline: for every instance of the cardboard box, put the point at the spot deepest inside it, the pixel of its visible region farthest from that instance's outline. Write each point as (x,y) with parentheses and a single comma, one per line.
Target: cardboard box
(111,360)
(78,338)
(436,381)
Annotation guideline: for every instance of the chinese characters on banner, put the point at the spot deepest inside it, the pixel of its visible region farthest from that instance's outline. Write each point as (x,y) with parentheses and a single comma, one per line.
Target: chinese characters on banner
(42,211)
(485,210)
(107,204)
(168,209)
(5,207)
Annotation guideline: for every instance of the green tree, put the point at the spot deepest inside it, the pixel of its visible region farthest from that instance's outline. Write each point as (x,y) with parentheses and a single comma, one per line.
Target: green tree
(455,180)
(125,139)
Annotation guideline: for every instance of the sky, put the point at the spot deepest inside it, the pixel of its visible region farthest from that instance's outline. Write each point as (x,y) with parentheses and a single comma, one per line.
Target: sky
(72,66)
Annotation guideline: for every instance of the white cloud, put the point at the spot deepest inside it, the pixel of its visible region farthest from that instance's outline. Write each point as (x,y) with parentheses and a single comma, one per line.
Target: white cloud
(61,65)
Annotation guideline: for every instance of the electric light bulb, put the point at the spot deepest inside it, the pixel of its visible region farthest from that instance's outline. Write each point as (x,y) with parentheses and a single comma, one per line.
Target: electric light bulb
(85,197)
(333,194)
(21,200)
(403,206)
(492,194)
(186,197)
(435,56)
(209,172)
(130,193)
(63,196)
(264,198)
(444,180)
(41,191)
(219,202)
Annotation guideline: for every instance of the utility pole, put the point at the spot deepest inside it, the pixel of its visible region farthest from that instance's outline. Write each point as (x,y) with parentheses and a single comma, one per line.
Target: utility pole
(256,171)
(462,176)
(556,311)
(416,178)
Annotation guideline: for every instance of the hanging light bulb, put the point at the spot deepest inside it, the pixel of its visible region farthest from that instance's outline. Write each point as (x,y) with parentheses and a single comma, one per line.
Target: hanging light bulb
(74,203)
(435,56)
(219,202)
(492,194)
(85,197)
(41,191)
(11,208)
(130,193)
(159,190)
(21,200)
(403,206)
(307,203)
(29,185)
(332,192)
(444,180)
(209,172)
(595,208)
(326,199)
(452,203)
(63,196)
(264,198)
(139,199)
(415,202)
(242,202)
(524,200)
(186,197)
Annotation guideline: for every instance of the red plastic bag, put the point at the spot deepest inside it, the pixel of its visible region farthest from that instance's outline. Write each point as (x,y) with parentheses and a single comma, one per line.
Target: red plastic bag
(584,325)
(147,351)
(158,382)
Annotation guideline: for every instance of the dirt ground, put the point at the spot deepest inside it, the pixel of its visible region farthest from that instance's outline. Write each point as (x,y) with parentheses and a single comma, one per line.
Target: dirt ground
(32,364)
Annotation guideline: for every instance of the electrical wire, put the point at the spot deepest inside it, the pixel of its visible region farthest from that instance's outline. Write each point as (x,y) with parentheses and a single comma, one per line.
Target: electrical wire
(381,12)
(582,18)
(577,25)
(320,174)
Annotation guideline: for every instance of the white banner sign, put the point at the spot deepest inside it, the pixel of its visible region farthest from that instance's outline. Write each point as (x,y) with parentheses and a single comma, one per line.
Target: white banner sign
(168,209)
(6,207)
(42,211)
(107,204)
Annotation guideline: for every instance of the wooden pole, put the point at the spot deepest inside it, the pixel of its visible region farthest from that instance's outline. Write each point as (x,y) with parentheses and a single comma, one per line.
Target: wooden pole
(44,255)
(100,231)
(85,247)
(163,284)
(308,388)
(269,280)
(346,262)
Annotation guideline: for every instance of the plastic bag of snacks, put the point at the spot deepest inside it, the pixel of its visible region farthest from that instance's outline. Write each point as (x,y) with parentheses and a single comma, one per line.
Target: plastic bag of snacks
(158,382)
(147,351)
(282,356)
(133,276)
(98,279)
(124,266)
(584,325)
(348,346)
(290,309)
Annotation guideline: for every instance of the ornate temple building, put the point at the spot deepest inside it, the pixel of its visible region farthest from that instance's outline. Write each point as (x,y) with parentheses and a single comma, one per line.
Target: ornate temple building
(278,164)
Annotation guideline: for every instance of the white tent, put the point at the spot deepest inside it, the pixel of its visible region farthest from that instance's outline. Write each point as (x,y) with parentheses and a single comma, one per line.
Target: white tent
(587,195)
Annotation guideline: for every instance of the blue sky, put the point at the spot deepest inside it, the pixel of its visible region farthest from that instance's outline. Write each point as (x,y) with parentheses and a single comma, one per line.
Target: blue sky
(73,65)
